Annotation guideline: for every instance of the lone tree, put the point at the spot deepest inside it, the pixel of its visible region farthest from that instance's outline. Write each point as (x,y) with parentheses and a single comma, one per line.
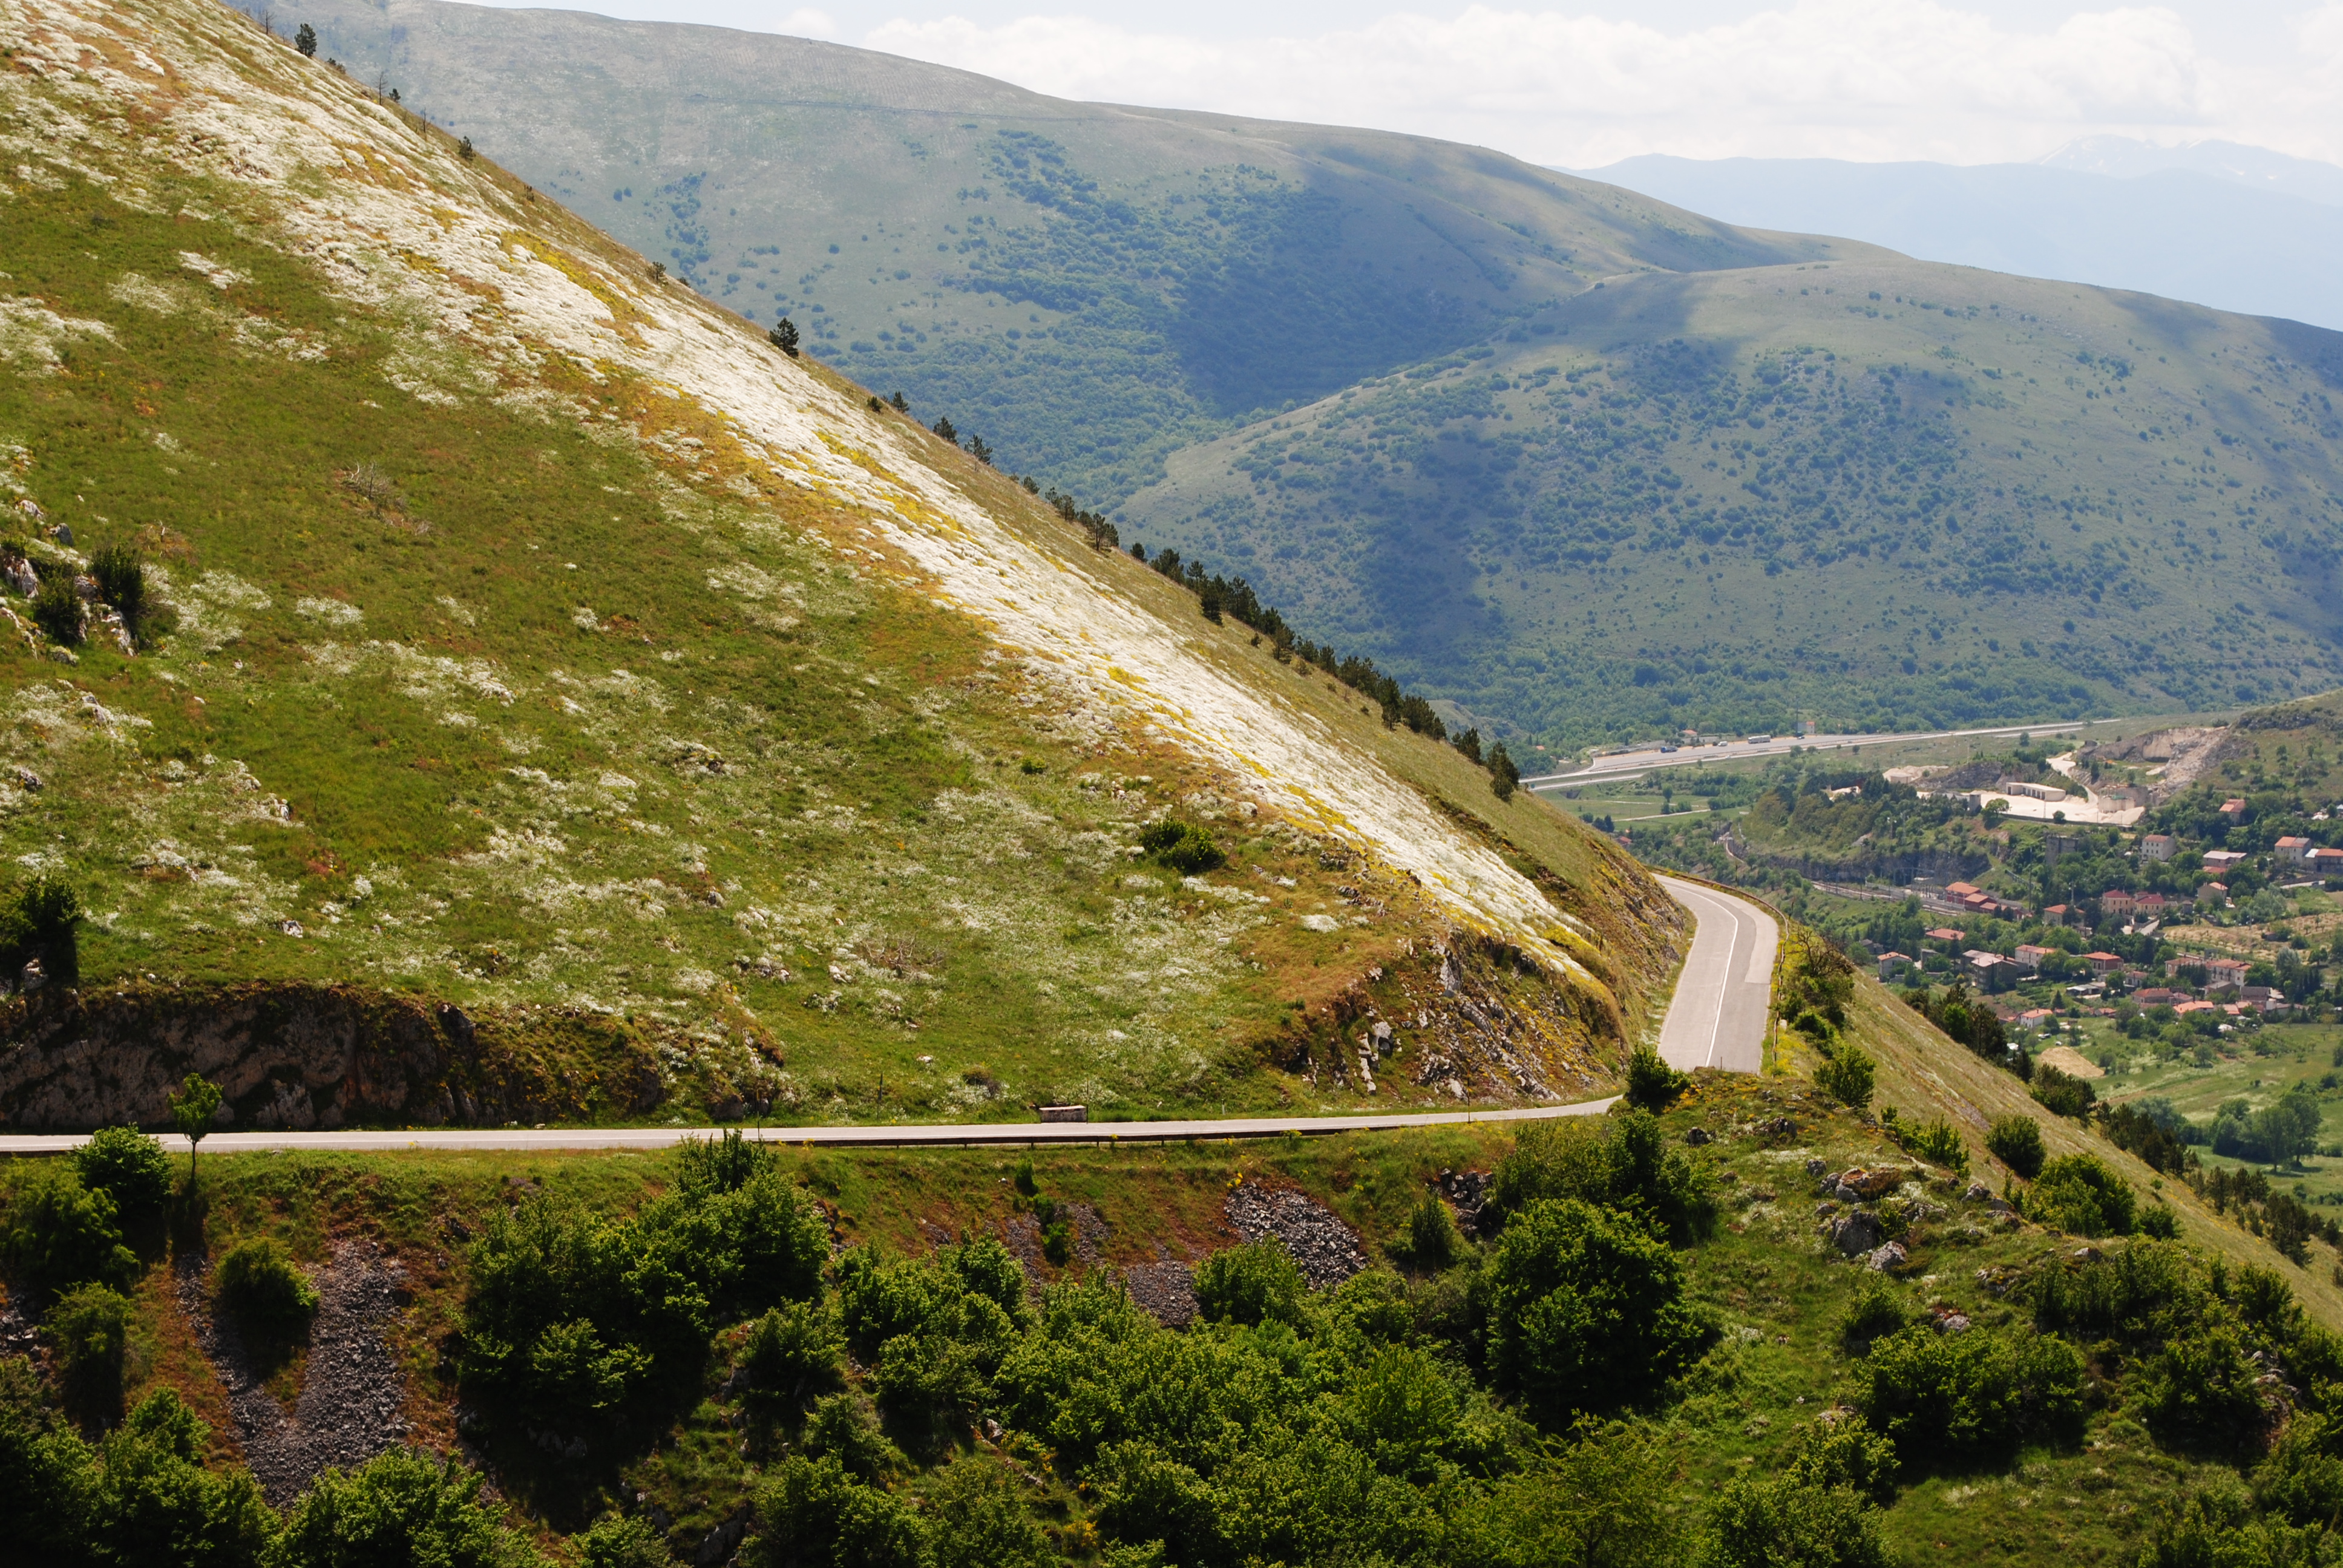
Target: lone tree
(784,338)
(305,40)
(464,149)
(897,404)
(191,1112)
(1502,775)
(943,426)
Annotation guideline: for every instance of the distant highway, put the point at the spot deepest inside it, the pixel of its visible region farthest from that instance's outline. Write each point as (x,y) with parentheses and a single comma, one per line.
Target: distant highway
(1718,1015)
(1627,765)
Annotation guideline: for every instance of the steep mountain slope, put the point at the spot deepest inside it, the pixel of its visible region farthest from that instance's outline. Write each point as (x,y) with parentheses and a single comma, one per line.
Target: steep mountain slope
(2183,233)
(555,702)
(1881,494)
(1087,287)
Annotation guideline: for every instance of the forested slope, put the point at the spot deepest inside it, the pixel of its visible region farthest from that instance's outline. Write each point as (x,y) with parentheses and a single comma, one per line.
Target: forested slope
(1879,492)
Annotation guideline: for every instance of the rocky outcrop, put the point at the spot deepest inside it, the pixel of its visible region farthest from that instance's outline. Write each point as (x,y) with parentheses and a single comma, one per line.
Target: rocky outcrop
(307,1057)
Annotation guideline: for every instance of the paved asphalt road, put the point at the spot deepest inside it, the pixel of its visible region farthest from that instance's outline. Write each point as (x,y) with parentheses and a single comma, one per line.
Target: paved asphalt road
(1629,763)
(1717,1019)
(946,1133)
(1718,1015)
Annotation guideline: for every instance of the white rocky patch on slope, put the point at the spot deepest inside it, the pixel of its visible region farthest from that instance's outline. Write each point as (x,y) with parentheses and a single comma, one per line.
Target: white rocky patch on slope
(401,224)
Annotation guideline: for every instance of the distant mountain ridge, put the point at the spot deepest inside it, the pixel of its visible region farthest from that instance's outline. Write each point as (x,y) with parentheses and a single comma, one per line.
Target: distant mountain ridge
(2237,228)
(1086,286)
(1580,461)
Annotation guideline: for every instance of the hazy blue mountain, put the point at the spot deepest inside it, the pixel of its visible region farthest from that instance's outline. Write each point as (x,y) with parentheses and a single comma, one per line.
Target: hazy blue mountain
(2237,228)
(2257,168)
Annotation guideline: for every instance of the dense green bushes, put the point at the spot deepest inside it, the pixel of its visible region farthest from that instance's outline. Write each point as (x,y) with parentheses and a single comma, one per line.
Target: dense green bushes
(1586,1310)
(1620,1162)
(128,1167)
(578,1322)
(61,1234)
(1973,1396)
(2083,1195)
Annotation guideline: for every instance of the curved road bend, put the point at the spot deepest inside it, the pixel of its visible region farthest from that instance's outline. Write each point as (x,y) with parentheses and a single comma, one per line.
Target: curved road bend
(1718,1015)
(1717,1019)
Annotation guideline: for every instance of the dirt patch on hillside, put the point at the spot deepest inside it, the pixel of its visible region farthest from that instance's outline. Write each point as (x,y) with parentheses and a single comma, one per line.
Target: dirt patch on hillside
(351,1389)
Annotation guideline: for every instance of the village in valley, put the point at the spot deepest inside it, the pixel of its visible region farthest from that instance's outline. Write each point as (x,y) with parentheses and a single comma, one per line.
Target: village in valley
(2157,915)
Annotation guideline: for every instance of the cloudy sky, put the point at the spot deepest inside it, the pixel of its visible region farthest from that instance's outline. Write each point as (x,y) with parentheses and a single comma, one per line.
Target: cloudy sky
(1584,84)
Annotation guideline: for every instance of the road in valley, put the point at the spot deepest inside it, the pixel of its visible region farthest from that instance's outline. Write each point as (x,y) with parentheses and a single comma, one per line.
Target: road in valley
(1718,1015)
(1620,767)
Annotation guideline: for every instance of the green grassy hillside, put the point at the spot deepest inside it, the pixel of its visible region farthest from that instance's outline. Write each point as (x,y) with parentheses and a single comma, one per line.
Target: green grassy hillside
(552,689)
(1881,494)
(1086,287)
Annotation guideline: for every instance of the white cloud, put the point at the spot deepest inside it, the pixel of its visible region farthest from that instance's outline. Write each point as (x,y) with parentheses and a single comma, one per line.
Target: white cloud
(1867,79)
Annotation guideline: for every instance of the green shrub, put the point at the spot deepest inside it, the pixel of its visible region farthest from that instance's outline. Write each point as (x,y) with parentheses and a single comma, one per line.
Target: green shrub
(794,1354)
(61,1234)
(1603,1499)
(2016,1142)
(1652,1084)
(1972,1395)
(977,1518)
(2158,1220)
(1938,1143)
(128,1167)
(403,1507)
(813,1515)
(1586,1310)
(1617,1162)
(844,1427)
(57,608)
(270,1296)
(573,1319)
(88,1329)
(1847,1076)
(121,582)
(1252,1284)
(1183,846)
(1431,1241)
(2082,1195)
(618,1541)
(2216,1528)
(2201,1389)
(1785,1521)
(2302,1479)
(47,1474)
(1847,1453)
(1875,1311)
(155,1502)
(2061,1094)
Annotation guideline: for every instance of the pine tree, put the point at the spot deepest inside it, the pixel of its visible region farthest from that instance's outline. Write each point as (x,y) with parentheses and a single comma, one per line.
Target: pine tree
(897,404)
(979,450)
(1502,775)
(464,149)
(1469,743)
(305,40)
(943,426)
(784,337)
